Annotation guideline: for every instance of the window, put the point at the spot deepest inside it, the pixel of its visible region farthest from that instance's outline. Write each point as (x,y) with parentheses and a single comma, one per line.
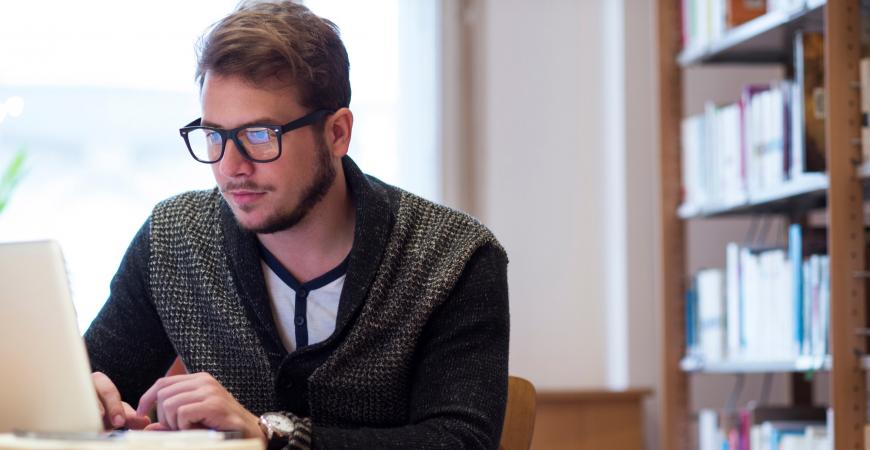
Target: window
(104,95)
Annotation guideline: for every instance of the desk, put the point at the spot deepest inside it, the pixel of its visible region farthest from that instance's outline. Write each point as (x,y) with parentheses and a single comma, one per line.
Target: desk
(590,420)
(10,442)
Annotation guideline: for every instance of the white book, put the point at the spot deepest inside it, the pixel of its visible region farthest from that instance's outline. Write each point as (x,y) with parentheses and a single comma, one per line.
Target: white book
(751,308)
(710,176)
(797,131)
(708,430)
(702,22)
(817,438)
(717,19)
(792,442)
(733,300)
(736,192)
(693,160)
(711,315)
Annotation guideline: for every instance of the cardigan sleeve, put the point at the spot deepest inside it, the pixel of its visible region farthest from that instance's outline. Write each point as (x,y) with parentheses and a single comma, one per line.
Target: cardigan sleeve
(126,340)
(459,391)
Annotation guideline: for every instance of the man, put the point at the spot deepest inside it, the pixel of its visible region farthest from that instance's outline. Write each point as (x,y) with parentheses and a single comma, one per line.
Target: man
(313,306)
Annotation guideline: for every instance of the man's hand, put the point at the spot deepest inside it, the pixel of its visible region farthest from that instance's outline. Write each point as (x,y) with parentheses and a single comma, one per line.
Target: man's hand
(115,413)
(197,401)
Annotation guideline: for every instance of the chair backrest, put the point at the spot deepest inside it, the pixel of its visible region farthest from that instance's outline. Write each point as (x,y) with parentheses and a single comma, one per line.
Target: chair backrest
(519,419)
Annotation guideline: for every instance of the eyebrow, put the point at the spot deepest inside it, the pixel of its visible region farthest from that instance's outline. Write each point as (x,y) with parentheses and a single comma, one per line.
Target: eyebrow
(260,121)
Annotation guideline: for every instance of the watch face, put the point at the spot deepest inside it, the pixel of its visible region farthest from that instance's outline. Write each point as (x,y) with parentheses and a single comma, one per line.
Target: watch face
(279,423)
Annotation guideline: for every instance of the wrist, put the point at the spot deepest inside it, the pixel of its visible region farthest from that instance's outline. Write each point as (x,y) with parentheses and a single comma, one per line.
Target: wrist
(254,430)
(285,430)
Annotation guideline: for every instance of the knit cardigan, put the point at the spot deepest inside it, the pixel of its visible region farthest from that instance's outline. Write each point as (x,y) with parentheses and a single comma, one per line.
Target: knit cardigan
(419,355)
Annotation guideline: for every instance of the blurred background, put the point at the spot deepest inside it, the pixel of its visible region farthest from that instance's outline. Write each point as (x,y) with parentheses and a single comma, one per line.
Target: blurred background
(538,117)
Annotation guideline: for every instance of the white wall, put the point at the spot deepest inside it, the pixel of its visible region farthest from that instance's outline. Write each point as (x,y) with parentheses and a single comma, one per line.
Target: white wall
(541,174)
(565,179)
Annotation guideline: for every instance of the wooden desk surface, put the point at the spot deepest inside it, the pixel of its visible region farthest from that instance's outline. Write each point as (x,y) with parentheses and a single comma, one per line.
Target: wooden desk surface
(10,442)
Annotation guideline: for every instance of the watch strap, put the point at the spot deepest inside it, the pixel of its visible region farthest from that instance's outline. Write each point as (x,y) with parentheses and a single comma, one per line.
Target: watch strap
(299,439)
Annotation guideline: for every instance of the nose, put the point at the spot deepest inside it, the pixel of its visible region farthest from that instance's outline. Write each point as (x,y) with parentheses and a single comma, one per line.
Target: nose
(233,164)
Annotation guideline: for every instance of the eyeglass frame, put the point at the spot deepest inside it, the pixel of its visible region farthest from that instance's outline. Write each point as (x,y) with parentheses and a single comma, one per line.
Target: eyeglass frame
(232,134)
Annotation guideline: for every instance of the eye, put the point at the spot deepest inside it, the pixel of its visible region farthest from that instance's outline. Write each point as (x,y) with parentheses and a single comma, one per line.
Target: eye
(213,137)
(258,135)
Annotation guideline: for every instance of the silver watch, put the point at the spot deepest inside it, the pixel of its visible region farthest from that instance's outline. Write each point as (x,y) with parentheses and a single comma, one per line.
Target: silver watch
(286,430)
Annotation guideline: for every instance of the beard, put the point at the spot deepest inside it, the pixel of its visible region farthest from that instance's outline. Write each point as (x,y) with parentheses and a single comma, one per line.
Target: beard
(324,177)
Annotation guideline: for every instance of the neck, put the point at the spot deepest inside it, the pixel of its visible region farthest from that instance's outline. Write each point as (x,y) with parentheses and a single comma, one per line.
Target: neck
(322,240)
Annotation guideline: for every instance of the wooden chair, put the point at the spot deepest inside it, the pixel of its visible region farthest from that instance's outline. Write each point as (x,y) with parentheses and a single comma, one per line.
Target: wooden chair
(519,419)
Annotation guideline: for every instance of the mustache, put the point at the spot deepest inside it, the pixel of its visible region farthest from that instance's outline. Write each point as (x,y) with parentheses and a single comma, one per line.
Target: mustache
(245,185)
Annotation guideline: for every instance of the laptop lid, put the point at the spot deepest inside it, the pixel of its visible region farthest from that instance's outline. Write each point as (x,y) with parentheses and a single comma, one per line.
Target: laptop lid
(45,382)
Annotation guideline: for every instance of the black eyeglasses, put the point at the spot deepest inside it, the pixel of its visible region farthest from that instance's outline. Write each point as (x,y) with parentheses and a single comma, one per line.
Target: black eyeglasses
(257,143)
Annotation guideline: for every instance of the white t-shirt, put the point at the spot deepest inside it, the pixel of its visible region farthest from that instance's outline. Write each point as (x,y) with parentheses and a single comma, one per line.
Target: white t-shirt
(316,302)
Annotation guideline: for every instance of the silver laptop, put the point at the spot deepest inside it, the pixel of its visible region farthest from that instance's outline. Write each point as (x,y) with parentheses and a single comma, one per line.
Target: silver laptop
(45,382)
(45,377)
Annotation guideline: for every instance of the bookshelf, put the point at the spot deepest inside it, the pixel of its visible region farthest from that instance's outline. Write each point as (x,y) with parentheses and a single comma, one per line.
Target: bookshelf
(841,190)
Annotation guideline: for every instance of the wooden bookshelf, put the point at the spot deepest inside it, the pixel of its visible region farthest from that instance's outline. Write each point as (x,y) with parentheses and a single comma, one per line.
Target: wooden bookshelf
(800,364)
(806,192)
(768,39)
(765,39)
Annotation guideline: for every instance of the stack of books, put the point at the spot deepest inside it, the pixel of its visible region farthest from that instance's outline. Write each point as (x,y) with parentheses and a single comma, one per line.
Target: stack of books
(774,134)
(706,21)
(766,305)
(764,428)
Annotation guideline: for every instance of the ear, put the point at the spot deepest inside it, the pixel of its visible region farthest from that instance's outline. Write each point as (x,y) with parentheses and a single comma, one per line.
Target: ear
(337,132)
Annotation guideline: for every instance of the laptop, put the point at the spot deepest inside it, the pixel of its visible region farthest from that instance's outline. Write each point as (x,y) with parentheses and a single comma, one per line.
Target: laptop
(46,390)
(45,377)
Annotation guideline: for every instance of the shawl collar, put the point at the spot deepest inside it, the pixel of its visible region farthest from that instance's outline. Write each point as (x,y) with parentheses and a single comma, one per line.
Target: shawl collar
(375,211)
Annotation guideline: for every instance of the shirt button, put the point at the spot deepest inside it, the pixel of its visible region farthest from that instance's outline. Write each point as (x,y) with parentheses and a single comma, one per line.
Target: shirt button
(300,320)
(302,293)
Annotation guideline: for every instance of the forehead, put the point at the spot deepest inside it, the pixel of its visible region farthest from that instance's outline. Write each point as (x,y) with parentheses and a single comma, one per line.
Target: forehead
(232,100)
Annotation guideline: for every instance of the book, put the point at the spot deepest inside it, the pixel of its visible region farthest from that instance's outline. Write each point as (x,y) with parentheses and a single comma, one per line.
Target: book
(795,254)
(865,108)
(741,11)
(711,314)
(768,304)
(809,147)
(708,430)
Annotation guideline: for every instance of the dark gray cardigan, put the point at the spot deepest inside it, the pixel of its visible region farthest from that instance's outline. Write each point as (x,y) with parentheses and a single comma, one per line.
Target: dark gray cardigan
(419,355)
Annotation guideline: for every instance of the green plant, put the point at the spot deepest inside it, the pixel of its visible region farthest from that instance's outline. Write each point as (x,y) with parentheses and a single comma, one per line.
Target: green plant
(11,176)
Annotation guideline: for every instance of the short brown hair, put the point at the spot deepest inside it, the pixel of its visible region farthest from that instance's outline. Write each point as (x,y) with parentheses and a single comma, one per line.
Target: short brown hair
(266,40)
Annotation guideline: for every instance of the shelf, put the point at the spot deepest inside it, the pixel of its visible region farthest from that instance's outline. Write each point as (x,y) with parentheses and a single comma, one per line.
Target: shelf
(800,364)
(809,189)
(765,39)
(695,364)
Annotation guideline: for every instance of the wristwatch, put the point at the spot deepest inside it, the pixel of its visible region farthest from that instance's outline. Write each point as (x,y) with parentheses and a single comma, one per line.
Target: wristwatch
(286,430)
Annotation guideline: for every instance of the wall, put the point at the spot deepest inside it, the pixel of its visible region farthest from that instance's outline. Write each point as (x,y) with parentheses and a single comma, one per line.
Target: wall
(547,136)
(541,183)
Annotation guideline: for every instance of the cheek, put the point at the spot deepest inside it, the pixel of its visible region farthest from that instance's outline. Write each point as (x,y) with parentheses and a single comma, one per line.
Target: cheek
(215,170)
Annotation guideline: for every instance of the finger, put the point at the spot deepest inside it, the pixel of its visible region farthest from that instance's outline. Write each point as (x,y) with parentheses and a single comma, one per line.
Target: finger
(195,416)
(172,396)
(138,422)
(134,421)
(216,413)
(149,398)
(113,410)
(171,405)
(156,426)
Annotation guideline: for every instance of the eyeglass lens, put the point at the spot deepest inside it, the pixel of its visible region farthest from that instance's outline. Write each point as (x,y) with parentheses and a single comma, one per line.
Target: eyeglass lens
(260,143)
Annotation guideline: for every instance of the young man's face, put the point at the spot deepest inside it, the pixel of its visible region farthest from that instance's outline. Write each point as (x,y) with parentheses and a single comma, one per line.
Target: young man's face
(266,197)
